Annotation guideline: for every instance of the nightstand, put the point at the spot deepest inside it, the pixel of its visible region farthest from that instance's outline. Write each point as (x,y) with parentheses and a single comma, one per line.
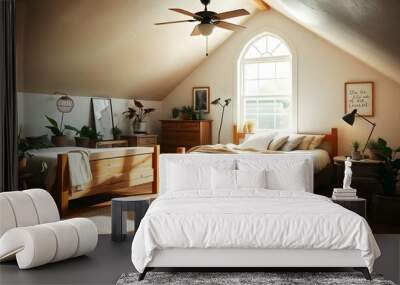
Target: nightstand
(358,206)
(141,140)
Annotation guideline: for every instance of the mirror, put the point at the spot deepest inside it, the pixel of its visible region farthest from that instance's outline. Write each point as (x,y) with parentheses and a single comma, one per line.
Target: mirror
(103,118)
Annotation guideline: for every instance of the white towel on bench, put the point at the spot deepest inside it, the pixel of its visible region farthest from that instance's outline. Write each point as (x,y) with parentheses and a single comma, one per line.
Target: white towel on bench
(79,168)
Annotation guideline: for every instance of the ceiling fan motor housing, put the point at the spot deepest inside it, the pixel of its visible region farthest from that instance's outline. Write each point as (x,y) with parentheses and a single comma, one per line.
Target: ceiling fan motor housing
(205,2)
(207,16)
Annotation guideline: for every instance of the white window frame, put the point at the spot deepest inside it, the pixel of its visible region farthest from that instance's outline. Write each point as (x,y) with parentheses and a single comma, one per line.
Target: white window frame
(240,86)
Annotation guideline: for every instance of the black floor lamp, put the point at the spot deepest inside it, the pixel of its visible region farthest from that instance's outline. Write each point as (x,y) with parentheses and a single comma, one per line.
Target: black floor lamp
(226,103)
(350,117)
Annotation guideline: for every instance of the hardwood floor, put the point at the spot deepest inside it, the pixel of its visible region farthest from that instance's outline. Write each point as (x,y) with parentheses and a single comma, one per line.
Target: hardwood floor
(110,260)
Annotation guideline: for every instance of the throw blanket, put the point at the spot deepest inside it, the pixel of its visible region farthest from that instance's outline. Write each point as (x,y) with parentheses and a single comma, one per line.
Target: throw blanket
(227,148)
(79,168)
(253,218)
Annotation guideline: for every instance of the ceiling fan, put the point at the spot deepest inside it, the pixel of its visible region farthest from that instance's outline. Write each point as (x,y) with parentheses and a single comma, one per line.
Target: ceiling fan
(209,19)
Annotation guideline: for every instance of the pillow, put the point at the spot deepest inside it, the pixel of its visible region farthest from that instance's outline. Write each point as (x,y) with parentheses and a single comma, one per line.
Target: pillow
(39,141)
(316,142)
(184,177)
(294,179)
(292,143)
(251,179)
(258,142)
(223,179)
(278,142)
(305,143)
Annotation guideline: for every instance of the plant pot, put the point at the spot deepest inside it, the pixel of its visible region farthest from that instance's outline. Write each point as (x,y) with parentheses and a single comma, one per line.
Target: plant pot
(356,155)
(117,137)
(22,162)
(140,127)
(59,140)
(375,154)
(82,141)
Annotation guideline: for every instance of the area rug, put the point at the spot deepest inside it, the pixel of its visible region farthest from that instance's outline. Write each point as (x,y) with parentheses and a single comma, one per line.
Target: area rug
(244,278)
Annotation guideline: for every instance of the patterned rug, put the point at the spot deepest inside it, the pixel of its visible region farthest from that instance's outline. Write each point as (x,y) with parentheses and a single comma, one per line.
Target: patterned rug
(244,278)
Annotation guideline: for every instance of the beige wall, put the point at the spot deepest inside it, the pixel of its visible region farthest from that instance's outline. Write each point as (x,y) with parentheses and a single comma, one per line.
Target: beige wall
(322,70)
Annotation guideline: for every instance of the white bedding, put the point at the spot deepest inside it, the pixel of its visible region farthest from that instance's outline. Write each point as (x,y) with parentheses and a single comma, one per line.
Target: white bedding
(252,218)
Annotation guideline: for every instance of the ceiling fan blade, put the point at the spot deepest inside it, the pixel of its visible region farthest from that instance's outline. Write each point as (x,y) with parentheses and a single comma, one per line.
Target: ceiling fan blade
(187,13)
(196,31)
(229,26)
(183,21)
(232,14)
(262,5)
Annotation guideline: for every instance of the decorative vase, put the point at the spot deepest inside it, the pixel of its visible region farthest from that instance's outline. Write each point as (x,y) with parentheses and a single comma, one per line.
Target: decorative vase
(82,141)
(140,127)
(356,155)
(59,140)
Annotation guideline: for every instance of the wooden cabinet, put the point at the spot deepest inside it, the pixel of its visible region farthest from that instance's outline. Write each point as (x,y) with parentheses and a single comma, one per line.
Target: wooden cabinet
(184,133)
(141,140)
(111,143)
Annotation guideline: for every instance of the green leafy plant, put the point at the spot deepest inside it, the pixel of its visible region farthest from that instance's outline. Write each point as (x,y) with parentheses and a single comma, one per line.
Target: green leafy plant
(138,114)
(175,112)
(388,155)
(356,145)
(54,128)
(116,132)
(188,112)
(85,132)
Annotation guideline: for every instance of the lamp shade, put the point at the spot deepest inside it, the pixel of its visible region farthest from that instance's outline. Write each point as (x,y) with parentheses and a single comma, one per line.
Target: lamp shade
(205,29)
(216,101)
(350,117)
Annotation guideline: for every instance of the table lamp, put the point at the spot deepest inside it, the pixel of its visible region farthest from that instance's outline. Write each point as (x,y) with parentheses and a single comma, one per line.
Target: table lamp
(350,117)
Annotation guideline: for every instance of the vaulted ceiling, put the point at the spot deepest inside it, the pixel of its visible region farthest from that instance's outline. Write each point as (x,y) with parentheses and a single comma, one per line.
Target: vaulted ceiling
(112,47)
(367,29)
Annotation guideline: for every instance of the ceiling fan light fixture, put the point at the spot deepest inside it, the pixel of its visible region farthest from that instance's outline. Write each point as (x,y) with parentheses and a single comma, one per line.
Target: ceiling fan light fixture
(205,29)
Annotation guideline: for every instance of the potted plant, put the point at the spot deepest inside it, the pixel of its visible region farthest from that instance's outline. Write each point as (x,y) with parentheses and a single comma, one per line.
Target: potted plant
(356,154)
(83,136)
(175,113)
(23,151)
(138,115)
(188,113)
(58,138)
(390,173)
(116,133)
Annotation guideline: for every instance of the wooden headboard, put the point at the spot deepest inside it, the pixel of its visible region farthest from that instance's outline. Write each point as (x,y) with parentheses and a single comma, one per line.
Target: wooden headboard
(331,138)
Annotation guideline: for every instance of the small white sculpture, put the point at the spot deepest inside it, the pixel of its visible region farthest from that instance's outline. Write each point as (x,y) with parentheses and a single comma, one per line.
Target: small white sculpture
(347,174)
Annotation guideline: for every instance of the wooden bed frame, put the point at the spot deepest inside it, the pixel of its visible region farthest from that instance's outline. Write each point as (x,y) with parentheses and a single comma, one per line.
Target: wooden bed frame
(126,172)
(331,138)
(237,136)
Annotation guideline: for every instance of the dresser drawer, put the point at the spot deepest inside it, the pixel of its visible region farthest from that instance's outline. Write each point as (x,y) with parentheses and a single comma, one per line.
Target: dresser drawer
(147,141)
(181,126)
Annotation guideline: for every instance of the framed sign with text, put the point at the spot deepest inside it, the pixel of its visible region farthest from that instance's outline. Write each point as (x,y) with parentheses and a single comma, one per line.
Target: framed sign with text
(360,96)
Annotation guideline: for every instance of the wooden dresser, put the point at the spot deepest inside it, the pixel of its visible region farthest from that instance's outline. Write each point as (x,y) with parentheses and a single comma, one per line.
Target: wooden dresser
(186,133)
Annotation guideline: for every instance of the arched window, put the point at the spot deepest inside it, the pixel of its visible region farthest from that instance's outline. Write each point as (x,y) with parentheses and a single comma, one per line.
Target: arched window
(265,87)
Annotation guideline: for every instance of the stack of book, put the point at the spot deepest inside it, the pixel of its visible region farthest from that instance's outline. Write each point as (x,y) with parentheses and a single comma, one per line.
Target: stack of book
(344,194)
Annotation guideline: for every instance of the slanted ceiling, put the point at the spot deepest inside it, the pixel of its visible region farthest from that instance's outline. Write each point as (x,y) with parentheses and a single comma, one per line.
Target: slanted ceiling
(111,47)
(367,29)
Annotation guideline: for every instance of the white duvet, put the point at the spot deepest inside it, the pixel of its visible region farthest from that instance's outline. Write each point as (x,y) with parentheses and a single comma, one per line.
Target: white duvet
(250,219)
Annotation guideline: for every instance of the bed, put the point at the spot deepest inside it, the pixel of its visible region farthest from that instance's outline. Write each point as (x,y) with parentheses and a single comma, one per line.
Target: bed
(201,219)
(122,171)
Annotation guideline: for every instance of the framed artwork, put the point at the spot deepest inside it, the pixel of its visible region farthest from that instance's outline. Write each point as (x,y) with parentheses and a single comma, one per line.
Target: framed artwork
(201,99)
(103,118)
(360,96)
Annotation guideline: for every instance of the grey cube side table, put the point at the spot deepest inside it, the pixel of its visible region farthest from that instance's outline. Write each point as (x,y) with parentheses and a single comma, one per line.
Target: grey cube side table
(119,213)
(358,206)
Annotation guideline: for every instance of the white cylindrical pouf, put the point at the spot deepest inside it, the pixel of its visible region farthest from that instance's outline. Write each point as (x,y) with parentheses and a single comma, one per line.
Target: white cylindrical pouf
(87,234)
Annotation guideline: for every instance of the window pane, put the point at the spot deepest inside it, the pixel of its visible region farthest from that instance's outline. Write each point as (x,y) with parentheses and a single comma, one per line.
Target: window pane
(272,43)
(261,45)
(281,50)
(282,121)
(252,53)
(267,70)
(250,71)
(250,87)
(283,69)
(276,87)
(266,122)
